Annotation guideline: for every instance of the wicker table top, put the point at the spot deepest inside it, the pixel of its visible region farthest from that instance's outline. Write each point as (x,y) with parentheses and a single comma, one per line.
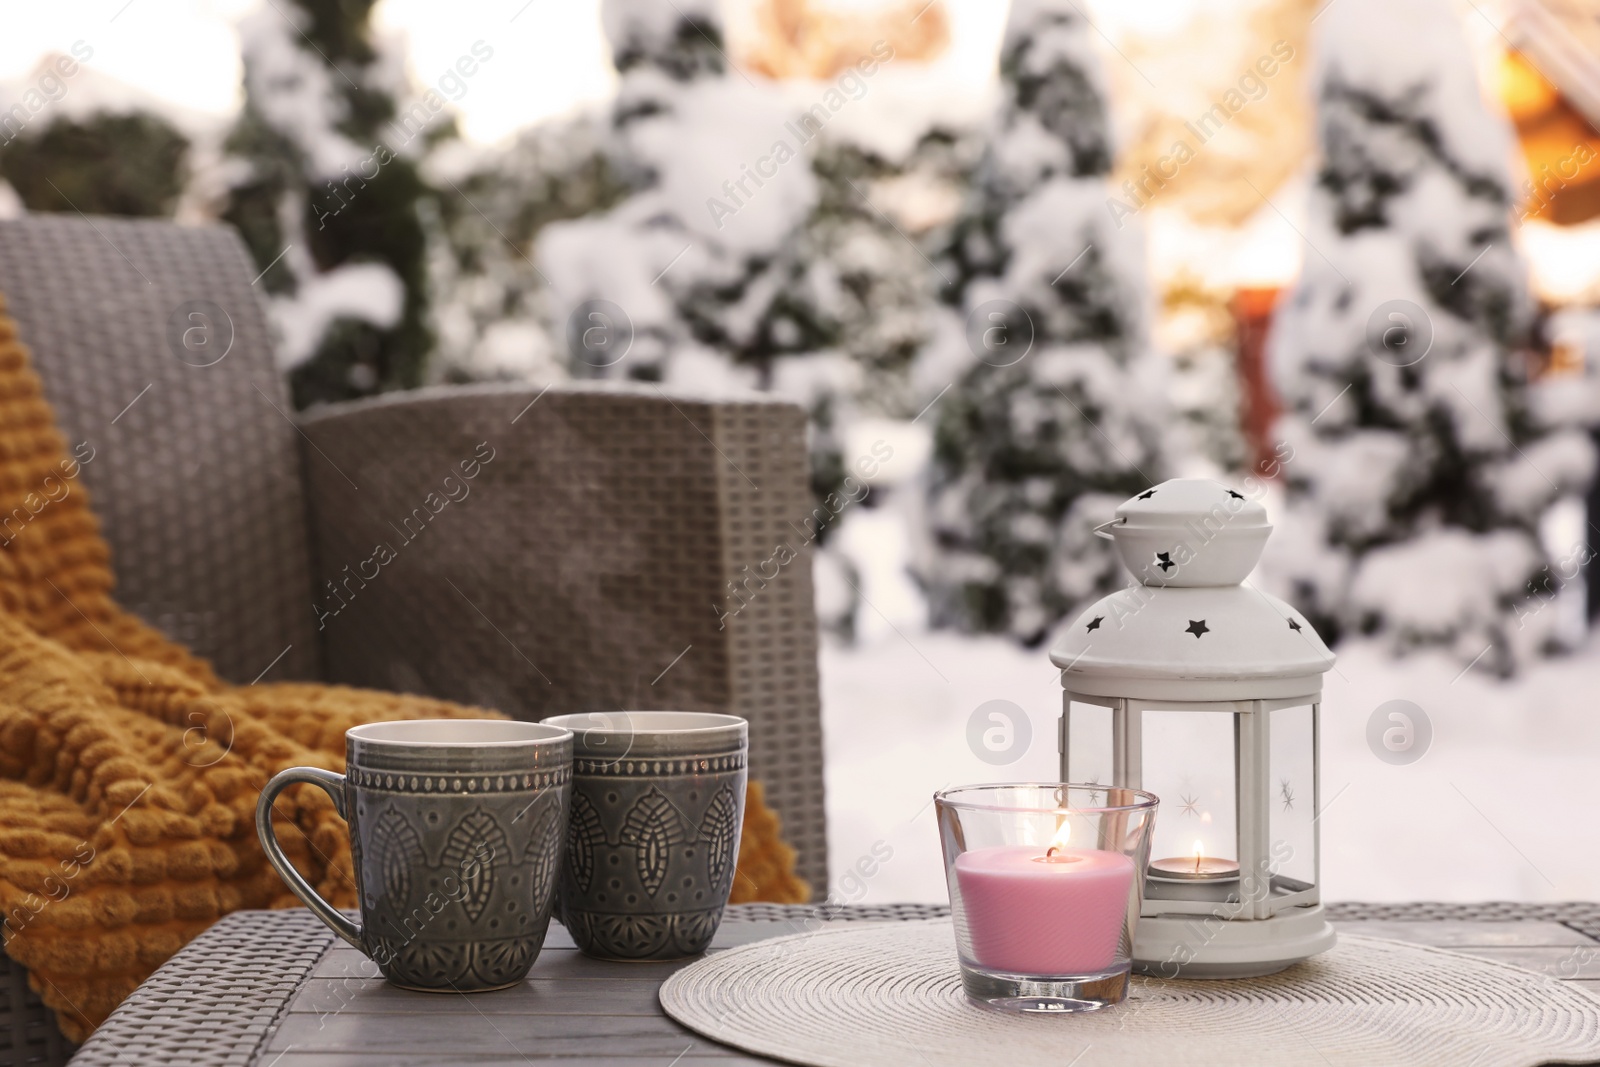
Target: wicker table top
(276,989)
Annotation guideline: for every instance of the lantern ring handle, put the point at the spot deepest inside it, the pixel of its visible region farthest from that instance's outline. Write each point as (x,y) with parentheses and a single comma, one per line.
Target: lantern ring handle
(1100,531)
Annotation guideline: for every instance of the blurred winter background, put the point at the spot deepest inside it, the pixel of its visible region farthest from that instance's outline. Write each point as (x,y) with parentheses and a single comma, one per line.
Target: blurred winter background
(1018,262)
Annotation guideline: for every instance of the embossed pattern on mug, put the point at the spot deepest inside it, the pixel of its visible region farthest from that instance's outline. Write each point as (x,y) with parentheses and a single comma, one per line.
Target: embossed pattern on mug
(464,883)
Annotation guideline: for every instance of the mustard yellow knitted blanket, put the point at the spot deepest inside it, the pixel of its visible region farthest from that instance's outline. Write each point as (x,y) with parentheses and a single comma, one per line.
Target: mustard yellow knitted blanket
(129,773)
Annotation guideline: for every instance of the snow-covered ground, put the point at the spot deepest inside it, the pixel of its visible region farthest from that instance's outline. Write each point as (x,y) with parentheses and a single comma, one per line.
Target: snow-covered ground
(1503,805)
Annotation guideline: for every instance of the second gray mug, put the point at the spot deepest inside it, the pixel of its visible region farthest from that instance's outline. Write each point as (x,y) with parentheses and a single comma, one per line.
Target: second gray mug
(653,839)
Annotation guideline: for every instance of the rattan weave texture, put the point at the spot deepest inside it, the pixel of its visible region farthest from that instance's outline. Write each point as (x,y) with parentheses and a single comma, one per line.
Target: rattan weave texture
(890,994)
(28,1030)
(1583,916)
(195,473)
(586,565)
(218,1000)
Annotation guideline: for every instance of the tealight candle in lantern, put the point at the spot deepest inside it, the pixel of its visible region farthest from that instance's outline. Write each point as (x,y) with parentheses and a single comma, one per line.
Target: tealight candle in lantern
(1197,868)
(1196,877)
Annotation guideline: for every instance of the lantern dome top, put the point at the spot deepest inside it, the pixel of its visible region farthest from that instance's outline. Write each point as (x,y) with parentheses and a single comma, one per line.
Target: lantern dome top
(1189,532)
(1190,630)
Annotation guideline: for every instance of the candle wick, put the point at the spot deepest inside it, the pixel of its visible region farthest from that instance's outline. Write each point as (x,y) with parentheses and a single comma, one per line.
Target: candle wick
(1197,863)
(1051,851)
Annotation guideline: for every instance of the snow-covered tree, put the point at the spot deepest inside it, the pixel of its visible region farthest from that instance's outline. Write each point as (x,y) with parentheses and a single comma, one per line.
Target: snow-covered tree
(103,164)
(703,258)
(326,193)
(75,138)
(873,206)
(1417,476)
(489,302)
(1054,415)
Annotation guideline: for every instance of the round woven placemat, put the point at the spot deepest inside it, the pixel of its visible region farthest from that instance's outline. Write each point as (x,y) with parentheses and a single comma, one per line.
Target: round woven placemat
(890,994)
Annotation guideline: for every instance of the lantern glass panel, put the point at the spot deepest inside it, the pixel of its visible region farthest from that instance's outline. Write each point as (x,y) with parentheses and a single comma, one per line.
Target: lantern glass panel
(1089,756)
(1292,850)
(1189,762)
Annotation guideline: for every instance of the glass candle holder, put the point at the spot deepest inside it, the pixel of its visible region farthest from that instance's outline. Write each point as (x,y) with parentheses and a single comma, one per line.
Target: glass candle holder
(1045,885)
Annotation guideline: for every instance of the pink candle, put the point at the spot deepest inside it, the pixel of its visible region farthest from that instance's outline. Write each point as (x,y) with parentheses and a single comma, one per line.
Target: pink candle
(1028,914)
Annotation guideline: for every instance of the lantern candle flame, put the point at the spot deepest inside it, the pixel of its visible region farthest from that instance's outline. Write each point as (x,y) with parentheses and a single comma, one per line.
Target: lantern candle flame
(1195,867)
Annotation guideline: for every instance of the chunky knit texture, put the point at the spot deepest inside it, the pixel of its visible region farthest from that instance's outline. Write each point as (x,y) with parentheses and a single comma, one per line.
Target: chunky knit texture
(765,870)
(129,773)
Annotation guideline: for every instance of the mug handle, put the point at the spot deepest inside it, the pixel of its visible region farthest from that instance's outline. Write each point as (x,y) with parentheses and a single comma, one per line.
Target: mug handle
(333,785)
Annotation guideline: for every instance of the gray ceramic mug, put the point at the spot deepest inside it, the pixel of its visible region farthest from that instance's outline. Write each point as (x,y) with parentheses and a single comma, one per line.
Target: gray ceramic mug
(657,805)
(456,828)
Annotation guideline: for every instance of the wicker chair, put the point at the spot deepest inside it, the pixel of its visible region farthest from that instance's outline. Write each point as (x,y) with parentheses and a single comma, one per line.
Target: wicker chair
(587,566)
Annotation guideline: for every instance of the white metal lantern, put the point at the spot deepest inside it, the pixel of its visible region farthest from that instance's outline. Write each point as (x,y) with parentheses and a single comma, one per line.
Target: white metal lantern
(1193,685)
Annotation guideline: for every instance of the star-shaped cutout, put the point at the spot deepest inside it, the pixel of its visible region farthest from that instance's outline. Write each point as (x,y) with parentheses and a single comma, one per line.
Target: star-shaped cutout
(1197,627)
(1191,805)
(1164,561)
(1235,495)
(1094,623)
(1294,625)
(1287,793)
(1147,494)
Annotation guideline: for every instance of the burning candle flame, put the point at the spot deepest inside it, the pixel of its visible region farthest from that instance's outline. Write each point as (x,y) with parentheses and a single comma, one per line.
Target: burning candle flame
(1063,834)
(1199,854)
